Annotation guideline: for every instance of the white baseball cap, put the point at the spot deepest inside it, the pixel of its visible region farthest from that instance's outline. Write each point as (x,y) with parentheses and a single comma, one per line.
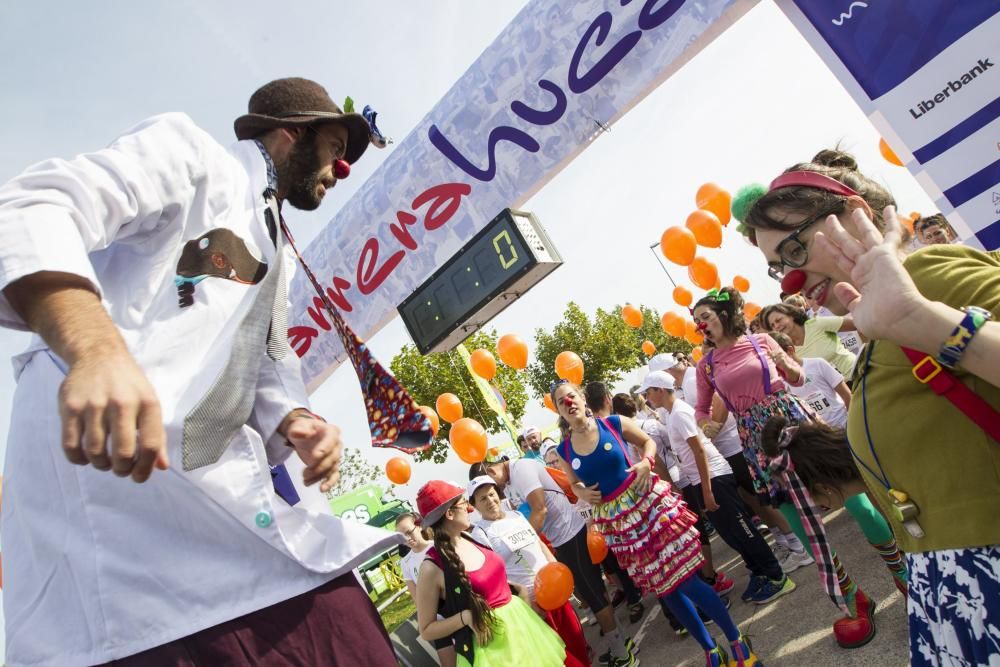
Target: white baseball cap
(547,446)
(661,362)
(477,483)
(658,379)
(528,431)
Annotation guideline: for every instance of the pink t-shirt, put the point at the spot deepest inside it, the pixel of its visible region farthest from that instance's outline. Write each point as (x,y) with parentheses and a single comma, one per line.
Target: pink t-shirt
(739,376)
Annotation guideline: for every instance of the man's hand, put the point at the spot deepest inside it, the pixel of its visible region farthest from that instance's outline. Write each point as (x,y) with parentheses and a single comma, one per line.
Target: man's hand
(711,428)
(710,504)
(106,396)
(318,445)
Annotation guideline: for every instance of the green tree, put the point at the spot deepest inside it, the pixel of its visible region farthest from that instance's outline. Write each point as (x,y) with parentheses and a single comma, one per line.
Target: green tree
(427,377)
(355,472)
(609,348)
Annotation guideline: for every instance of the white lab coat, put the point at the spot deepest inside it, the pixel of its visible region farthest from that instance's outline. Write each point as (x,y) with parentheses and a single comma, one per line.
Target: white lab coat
(98,568)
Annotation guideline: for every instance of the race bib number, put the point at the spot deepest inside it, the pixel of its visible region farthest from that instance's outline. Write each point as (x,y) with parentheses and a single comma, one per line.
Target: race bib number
(818,402)
(518,539)
(851,341)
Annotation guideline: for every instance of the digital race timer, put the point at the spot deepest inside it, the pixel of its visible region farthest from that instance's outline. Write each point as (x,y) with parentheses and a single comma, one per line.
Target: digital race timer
(501,262)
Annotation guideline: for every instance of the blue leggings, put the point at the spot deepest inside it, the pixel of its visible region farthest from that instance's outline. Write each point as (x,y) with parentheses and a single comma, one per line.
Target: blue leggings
(696,593)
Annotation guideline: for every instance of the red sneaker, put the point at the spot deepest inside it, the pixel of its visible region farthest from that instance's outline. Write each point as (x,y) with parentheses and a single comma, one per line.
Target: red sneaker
(723,585)
(856,632)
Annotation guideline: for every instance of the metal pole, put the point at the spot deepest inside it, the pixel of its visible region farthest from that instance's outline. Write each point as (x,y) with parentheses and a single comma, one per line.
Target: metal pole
(662,265)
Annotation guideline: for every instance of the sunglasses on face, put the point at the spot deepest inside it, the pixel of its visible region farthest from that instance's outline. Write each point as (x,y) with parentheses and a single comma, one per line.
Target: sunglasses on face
(792,251)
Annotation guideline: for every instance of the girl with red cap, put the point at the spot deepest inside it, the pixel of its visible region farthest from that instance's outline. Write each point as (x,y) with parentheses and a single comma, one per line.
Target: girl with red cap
(924,421)
(491,627)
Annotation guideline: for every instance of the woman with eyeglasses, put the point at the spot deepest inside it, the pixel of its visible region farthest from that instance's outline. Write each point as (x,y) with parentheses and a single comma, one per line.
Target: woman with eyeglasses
(750,373)
(930,460)
(491,627)
(645,524)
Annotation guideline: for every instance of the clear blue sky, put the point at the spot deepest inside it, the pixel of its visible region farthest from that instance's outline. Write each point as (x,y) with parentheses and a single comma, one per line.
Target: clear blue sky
(755,101)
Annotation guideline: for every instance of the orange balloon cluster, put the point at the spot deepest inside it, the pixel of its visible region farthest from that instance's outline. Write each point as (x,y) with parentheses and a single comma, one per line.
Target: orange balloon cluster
(741,283)
(678,245)
(431,417)
(683,296)
(597,547)
(483,363)
(648,348)
(569,366)
(468,439)
(632,316)
(673,324)
(397,469)
(449,407)
(553,586)
(513,351)
(711,197)
(703,273)
(706,228)
(691,333)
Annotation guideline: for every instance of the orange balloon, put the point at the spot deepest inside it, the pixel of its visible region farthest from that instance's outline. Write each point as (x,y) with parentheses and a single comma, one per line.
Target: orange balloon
(632,316)
(691,333)
(597,547)
(513,351)
(431,417)
(449,407)
(673,324)
(750,310)
(547,400)
(683,296)
(697,354)
(706,228)
(889,154)
(483,363)
(397,469)
(648,348)
(741,283)
(711,197)
(703,273)
(678,245)
(569,366)
(718,283)
(553,586)
(468,439)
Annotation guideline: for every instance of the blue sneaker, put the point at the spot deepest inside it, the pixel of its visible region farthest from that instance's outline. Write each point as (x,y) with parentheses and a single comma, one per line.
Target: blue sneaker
(756,581)
(772,590)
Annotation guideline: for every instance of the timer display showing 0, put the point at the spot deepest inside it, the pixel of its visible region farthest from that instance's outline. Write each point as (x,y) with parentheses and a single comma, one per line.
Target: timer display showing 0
(468,281)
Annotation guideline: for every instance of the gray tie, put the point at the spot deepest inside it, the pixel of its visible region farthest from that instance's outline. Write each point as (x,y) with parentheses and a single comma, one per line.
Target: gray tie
(225,408)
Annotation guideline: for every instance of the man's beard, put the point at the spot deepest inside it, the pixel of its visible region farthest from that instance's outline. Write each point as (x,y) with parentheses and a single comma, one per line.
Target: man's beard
(300,177)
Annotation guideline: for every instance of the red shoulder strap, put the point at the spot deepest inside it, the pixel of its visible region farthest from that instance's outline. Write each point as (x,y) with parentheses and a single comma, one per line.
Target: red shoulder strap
(928,371)
(618,436)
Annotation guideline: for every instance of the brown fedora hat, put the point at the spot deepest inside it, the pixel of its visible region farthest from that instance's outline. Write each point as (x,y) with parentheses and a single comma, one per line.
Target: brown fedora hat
(296,102)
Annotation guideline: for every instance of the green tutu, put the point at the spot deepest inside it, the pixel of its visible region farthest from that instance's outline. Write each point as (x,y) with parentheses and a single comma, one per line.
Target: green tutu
(520,638)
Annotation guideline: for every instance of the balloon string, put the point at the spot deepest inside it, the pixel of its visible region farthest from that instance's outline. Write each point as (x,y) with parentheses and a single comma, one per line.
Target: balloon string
(662,265)
(451,358)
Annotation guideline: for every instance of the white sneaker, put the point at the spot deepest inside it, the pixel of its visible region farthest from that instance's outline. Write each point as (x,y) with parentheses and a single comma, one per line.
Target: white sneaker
(794,560)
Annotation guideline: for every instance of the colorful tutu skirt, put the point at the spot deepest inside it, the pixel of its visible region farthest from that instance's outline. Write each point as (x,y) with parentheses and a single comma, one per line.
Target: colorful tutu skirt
(652,535)
(750,424)
(521,637)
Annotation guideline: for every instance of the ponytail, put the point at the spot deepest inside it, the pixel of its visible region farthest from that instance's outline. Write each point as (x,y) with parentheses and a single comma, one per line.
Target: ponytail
(820,453)
(483,620)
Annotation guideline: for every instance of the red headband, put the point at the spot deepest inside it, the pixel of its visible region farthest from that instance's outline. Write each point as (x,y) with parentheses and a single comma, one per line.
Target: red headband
(812,179)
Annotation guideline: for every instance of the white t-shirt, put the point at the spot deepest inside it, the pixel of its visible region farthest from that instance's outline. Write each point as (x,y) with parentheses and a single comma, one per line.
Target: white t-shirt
(819,391)
(513,538)
(682,425)
(658,432)
(409,564)
(727,441)
(562,522)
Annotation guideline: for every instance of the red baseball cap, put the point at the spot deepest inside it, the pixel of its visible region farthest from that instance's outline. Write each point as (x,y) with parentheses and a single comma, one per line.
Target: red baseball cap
(434,498)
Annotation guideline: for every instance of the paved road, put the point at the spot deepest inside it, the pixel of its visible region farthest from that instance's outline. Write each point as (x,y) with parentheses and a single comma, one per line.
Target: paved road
(796,629)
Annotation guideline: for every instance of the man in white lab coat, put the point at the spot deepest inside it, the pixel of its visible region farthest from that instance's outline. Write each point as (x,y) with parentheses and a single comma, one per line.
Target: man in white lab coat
(154,273)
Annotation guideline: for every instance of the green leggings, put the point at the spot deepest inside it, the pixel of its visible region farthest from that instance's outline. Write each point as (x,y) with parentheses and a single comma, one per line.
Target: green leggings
(871,522)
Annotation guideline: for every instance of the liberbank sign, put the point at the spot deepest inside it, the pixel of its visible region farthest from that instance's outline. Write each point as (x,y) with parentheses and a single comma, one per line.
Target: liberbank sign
(563,71)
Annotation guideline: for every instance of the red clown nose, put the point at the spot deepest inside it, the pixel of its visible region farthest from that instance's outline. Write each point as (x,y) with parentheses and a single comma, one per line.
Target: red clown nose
(702,326)
(341,169)
(567,401)
(793,282)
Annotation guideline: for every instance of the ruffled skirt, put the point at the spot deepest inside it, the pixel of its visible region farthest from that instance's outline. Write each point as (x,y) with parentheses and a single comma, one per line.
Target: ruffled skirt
(521,637)
(652,535)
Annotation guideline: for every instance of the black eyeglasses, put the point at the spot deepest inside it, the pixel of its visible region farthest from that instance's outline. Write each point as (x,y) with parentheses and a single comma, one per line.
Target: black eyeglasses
(792,251)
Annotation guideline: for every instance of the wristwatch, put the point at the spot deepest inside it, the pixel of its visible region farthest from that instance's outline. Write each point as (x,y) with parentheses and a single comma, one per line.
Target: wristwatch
(954,346)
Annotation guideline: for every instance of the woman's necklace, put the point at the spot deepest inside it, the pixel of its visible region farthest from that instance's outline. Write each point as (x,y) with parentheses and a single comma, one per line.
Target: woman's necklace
(587,426)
